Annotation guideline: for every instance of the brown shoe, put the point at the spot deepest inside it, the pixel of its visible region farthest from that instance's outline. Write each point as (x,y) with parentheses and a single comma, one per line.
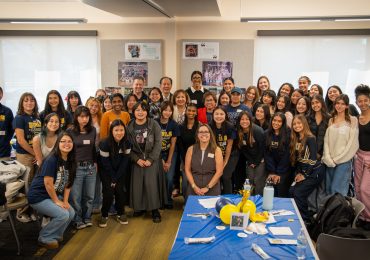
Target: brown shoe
(51,245)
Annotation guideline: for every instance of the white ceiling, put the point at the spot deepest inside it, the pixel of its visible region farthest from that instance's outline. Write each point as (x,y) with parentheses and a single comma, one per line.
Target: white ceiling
(137,11)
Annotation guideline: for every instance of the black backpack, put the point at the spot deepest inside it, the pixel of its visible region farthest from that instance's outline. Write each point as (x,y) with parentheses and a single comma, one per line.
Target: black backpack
(336,212)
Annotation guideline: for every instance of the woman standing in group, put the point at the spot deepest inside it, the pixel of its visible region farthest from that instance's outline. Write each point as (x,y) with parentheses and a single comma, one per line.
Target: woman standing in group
(204,164)
(196,91)
(276,155)
(303,106)
(107,104)
(187,137)
(115,158)
(130,101)
(251,145)
(115,113)
(263,116)
(205,113)
(308,171)
(297,94)
(155,100)
(283,105)
(228,84)
(269,98)
(44,142)
(224,99)
(50,190)
(316,89)
(331,95)
(148,188)
(286,89)
(304,83)
(180,100)
(340,146)
(73,101)
(96,114)
(83,190)
(263,84)
(170,132)
(362,161)
(318,122)
(27,125)
(54,103)
(251,98)
(225,135)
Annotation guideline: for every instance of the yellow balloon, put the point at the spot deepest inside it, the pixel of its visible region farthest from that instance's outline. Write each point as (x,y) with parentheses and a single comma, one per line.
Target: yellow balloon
(226,211)
(250,207)
(239,206)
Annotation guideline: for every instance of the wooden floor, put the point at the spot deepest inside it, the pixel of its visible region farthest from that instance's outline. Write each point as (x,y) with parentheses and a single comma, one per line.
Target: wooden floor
(140,239)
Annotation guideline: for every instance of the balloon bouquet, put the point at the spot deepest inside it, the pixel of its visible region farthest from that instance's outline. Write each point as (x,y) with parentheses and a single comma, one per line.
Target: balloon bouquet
(225,207)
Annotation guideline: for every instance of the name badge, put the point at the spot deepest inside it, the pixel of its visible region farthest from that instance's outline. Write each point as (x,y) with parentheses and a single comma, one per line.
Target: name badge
(194,101)
(211,155)
(239,110)
(145,134)
(2,132)
(244,142)
(86,141)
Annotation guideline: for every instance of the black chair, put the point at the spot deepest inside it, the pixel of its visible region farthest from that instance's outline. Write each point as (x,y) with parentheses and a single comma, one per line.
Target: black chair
(18,203)
(330,247)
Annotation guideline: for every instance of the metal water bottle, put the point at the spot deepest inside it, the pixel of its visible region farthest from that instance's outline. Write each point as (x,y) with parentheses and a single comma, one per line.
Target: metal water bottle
(268,196)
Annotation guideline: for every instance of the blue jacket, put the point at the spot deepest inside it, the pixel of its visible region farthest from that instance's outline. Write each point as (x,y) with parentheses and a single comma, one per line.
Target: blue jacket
(6,130)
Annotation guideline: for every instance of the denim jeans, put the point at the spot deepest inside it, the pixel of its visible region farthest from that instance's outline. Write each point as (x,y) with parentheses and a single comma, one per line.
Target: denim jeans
(170,176)
(60,219)
(338,178)
(83,191)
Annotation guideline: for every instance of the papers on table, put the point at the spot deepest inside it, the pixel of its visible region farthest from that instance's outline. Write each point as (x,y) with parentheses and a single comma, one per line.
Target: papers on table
(208,203)
(281,212)
(282,231)
(278,241)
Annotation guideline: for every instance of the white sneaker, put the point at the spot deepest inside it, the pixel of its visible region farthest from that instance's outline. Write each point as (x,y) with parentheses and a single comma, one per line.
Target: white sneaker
(45,221)
(23,218)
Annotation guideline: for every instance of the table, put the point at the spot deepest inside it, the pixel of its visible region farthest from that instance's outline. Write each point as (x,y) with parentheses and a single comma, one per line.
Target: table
(227,244)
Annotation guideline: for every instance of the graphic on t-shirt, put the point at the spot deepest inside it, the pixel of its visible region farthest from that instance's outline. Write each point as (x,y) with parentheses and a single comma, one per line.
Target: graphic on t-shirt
(140,135)
(61,180)
(222,142)
(166,140)
(2,117)
(34,128)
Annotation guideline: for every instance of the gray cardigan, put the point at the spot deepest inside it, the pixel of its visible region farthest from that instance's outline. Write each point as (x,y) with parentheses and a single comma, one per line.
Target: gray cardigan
(153,145)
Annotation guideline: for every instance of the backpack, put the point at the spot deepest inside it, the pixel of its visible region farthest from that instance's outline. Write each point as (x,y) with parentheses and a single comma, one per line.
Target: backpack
(336,212)
(348,232)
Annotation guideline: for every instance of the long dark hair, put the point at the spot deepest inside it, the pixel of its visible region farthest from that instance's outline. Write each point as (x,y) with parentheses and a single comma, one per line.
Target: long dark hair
(324,110)
(159,91)
(116,147)
(295,139)
(69,96)
(251,140)
(196,122)
(127,98)
(283,134)
(328,102)
(61,111)
(267,114)
(345,99)
(223,124)
(287,84)
(70,164)
(82,110)
(44,129)
(308,106)
(287,104)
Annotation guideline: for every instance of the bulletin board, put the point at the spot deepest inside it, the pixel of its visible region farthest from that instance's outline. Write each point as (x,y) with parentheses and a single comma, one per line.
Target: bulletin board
(113,51)
(239,52)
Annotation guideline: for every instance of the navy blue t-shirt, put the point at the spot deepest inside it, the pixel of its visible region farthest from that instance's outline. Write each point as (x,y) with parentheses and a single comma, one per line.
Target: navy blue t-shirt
(31,126)
(65,119)
(169,130)
(6,130)
(37,192)
(223,134)
(233,112)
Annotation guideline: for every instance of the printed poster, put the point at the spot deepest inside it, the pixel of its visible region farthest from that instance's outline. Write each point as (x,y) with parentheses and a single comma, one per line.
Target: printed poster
(142,51)
(128,70)
(214,72)
(201,50)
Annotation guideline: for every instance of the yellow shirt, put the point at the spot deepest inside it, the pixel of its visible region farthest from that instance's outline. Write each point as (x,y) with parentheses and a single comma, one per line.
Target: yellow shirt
(108,118)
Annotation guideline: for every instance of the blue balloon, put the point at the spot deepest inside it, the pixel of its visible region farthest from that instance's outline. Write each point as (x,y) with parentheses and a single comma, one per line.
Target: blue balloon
(222,202)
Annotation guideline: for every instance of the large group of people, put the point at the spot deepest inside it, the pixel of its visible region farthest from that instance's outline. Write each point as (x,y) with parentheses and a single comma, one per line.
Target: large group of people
(143,150)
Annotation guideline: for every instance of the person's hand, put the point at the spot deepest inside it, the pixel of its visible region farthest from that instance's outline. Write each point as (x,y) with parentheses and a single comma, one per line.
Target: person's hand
(141,162)
(60,204)
(66,205)
(147,163)
(299,177)
(166,166)
(274,178)
(198,191)
(204,190)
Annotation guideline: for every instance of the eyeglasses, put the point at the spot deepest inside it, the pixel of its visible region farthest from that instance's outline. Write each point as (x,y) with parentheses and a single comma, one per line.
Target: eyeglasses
(66,142)
(203,132)
(196,77)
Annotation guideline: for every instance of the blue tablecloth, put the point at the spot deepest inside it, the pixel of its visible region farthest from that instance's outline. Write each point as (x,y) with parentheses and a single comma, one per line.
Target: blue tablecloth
(227,244)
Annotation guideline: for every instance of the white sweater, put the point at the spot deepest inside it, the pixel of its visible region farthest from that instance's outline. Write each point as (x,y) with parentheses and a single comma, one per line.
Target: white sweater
(340,142)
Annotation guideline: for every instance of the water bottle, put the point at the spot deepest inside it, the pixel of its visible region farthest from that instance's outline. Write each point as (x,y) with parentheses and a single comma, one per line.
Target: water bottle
(247,187)
(268,196)
(301,245)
